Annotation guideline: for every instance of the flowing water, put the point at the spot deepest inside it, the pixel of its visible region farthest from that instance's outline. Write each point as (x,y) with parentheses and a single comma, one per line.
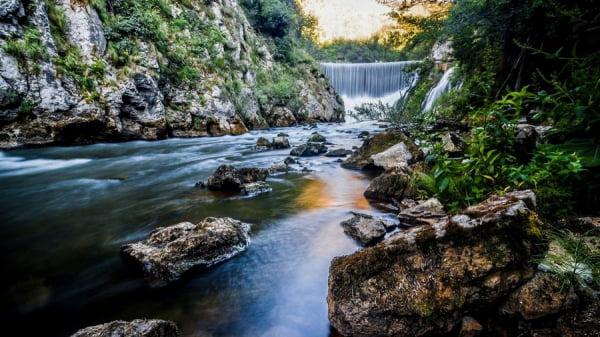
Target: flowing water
(443,86)
(65,211)
(360,83)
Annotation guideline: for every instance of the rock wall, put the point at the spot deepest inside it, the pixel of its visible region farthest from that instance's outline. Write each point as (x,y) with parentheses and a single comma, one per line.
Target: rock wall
(63,78)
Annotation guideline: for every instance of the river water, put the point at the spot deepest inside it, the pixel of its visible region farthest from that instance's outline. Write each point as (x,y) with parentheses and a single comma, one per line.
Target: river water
(65,211)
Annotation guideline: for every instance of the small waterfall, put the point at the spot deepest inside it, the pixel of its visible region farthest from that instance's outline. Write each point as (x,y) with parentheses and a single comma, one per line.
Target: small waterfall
(436,92)
(368,79)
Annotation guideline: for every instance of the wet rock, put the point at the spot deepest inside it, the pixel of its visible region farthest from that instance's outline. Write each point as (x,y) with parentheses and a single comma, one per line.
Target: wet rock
(316,138)
(309,150)
(169,252)
(282,134)
(338,153)
(364,228)
(470,327)
(280,142)
(452,144)
(422,281)
(135,328)
(389,187)
(290,161)
(426,212)
(257,188)
(228,178)
(363,134)
(278,169)
(541,296)
(363,158)
(262,144)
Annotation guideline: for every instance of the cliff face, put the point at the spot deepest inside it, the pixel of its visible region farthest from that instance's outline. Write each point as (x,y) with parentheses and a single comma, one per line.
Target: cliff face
(75,71)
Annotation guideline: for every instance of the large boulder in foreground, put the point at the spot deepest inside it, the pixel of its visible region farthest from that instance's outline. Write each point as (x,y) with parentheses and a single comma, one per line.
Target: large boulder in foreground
(424,280)
(169,252)
(230,179)
(136,328)
(363,159)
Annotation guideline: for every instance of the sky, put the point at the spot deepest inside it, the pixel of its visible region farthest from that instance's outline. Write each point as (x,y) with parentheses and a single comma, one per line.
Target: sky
(348,19)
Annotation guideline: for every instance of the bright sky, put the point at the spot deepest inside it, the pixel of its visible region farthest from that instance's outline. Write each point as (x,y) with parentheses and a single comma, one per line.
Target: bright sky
(348,19)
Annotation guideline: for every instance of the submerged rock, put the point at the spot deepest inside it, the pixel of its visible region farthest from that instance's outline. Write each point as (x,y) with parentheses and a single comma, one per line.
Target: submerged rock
(135,328)
(316,138)
(280,142)
(169,252)
(364,228)
(309,150)
(424,280)
(363,157)
(257,188)
(228,178)
(338,153)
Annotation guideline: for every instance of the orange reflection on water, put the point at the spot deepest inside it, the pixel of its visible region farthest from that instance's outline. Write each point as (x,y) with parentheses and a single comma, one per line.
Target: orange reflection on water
(314,195)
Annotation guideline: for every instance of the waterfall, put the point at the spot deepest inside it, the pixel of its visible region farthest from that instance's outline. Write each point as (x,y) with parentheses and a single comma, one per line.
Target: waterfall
(436,92)
(368,79)
(360,83)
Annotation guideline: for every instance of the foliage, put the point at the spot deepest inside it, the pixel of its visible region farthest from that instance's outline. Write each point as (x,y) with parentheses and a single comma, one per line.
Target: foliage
(278,87)
(370,50)
(27,49)
(575,261)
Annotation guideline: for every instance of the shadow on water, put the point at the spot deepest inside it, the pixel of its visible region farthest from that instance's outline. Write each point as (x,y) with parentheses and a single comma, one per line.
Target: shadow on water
(65,211)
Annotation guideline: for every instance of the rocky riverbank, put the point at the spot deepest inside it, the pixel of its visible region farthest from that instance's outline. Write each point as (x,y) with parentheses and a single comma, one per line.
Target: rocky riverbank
(77,72)
(476,272)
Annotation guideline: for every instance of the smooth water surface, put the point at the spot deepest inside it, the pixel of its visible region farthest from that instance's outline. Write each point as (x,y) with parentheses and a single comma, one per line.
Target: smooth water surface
(65,211)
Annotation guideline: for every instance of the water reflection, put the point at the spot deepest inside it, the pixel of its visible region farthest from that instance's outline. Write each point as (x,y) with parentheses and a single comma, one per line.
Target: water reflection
(61,230)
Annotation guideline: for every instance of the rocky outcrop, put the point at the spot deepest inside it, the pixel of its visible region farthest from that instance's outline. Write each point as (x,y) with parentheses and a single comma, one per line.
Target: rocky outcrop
(230,179)
(136,328)
(424,280)
(386,150)
(364,228)
(427,212)
(169,252)
(309,150)
(90,81)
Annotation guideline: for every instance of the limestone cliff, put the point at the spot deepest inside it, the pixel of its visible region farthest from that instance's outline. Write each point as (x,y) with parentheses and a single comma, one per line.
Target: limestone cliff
(75,71)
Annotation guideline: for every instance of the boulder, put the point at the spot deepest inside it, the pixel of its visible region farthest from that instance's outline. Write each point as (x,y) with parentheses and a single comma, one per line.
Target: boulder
(262,143)
(541,296)
(525,142)
(424,280)
(169,252)
(364,228)
(363,158)
(290,161)
(338,153)
(309,150)
(452,144)
(135,328)
(278,169)
(396,157)
(389,187)
(316,138)
(426,212)
(280,142)
(228,178)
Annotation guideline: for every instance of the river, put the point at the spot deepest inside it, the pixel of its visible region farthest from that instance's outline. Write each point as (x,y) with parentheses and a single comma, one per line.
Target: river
(65,211)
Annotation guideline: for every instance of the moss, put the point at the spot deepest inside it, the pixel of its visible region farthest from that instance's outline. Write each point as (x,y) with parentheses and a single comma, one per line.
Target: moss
(28,49)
